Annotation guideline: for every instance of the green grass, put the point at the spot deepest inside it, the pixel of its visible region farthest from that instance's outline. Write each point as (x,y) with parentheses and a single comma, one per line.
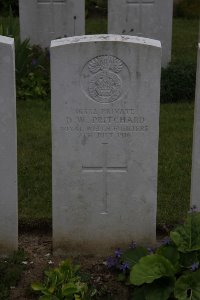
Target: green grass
(175,147)
(96,26)
(34,159)
(185,40)
(34,144)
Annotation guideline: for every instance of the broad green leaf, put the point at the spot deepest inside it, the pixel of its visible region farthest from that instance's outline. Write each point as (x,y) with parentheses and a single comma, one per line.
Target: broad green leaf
(132,256)
(69,289)
(171,253)
(46,292)
(151,267)
(37,286)
(187,286)
(160,289)
(187,236)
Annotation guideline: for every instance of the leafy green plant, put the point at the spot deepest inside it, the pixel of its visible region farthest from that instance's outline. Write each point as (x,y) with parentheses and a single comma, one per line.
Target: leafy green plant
(32,63)
(32,72)
(170,271)
(63,282)
(11,269)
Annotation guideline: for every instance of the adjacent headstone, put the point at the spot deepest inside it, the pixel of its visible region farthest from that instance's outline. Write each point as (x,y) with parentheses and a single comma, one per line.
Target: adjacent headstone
(199,30)
(8,149)
(146,18)
(105,126)
(195,186)
(44,20)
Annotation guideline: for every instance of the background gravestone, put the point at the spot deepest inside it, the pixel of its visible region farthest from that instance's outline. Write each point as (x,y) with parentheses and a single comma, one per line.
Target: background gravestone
(8,149)
(105,126)
(199,30)
(195,186)
(44,20)
(146,18)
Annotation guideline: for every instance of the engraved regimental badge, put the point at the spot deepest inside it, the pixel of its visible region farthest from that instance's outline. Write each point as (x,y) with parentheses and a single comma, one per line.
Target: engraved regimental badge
(102,78)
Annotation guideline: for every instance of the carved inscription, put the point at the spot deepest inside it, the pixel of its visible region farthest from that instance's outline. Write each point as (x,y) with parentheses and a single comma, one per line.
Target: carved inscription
(105,122)
(103,79)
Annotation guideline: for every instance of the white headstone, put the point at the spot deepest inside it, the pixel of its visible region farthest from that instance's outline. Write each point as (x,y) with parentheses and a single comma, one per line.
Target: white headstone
(8,149)
(105,126)
(199,30)
(195,186)
(146,18)
(44,20)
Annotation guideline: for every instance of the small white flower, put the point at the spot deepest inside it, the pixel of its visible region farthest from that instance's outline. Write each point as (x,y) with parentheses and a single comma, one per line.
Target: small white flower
(48,254)
(50,262)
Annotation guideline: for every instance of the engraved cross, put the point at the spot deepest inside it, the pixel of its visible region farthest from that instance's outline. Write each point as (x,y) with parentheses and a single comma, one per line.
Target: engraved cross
(141,4)
(105,169)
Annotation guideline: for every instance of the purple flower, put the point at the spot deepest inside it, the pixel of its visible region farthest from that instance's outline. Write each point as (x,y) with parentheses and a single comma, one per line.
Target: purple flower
(193,209)
(124,267)
(132,245)
(150,250)
(111,262)
(166,241)
(194,266)
(118,253)
(34,62)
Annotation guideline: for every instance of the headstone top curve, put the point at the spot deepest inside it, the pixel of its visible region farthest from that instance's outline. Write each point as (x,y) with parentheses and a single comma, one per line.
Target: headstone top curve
(106,38)
(6,40)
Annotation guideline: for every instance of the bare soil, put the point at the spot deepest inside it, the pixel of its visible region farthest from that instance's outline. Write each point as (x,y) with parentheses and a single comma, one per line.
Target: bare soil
(39,258)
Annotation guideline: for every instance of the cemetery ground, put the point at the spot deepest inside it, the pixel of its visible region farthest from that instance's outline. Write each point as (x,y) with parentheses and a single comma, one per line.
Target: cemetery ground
(34,167)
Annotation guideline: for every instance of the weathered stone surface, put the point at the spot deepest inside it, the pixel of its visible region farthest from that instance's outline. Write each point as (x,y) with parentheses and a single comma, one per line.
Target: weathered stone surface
(199,31)
(8,149)
(146,18)
(105,126)
(195,186)
(44,20)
